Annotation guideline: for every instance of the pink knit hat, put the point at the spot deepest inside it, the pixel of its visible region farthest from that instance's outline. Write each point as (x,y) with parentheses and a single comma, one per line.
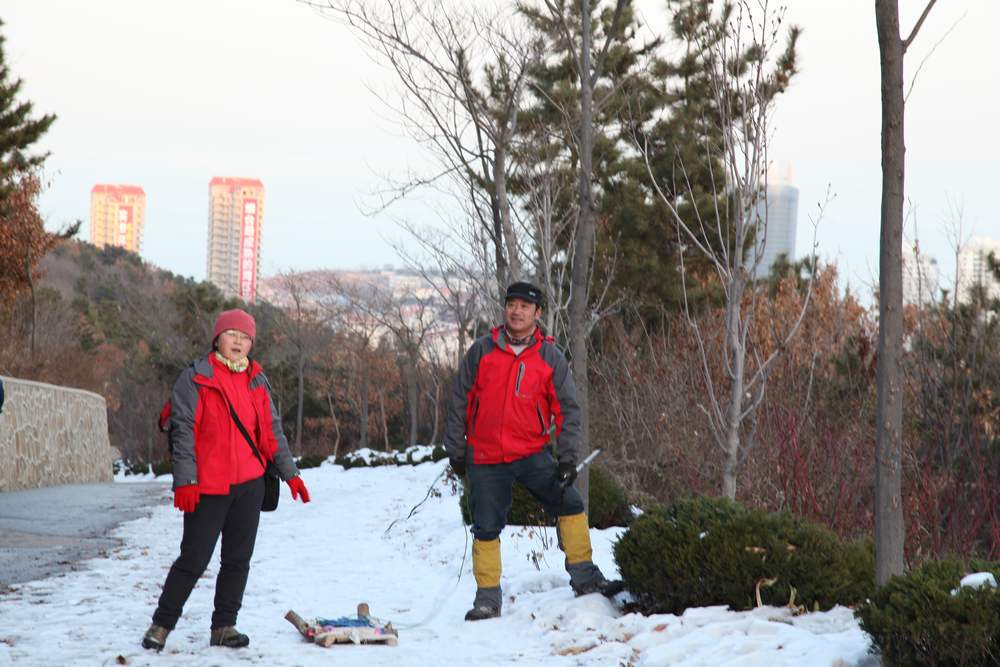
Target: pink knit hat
(237,319)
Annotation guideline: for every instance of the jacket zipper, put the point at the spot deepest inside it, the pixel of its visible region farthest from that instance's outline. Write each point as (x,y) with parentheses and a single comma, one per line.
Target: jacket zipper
(520,376)
(541,422)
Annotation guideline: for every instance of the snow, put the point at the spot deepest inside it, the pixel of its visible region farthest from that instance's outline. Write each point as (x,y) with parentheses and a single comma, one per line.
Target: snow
(976,580)
(321,559)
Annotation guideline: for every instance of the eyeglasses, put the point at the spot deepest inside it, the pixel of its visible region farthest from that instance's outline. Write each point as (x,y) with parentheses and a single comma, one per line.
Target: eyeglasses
(238,335)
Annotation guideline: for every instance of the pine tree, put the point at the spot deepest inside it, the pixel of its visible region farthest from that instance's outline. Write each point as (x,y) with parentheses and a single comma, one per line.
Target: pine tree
(676,124)
(19,131)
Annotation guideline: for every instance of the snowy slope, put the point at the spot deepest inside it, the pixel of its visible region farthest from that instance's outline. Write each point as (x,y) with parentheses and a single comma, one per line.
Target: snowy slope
(321,559)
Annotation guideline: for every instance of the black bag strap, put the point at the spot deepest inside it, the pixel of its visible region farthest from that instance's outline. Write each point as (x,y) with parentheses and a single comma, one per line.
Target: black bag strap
(246,435)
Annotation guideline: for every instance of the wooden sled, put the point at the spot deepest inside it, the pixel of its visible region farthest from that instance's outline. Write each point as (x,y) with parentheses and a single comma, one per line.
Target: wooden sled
(375,632)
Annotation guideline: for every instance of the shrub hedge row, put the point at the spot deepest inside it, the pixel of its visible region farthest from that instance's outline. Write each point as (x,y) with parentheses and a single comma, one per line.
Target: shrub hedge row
(711,551)
(924,618)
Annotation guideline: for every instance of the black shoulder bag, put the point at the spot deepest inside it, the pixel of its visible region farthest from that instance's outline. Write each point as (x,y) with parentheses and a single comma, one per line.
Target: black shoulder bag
(271,488)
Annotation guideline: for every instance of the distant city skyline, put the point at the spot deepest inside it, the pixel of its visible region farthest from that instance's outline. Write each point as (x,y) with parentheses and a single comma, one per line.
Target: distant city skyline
(301,115)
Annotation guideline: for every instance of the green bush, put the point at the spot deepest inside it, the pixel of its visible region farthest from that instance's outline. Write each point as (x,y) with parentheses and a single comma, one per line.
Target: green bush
(309,462)
(165,467)
(351,462)
(712,551)
(438,454)
(915,620)
(608,505)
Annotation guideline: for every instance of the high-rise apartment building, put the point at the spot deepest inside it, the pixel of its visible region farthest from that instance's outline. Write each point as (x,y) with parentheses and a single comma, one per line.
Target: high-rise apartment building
(920,277)
(973,269)
(235,221)
(777,220)
(117,214)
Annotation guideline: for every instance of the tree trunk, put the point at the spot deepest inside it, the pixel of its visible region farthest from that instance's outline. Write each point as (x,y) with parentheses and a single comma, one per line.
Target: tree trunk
(436,402)
(385,424)
(737,353)
(500,183)
(889,529)
(365,408)
(336,427)
(298,409)
(498,249)
(579,316)
(412,397)
(34,304)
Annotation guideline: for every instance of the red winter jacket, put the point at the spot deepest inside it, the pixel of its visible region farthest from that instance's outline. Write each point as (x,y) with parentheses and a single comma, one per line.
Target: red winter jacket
(207,447)
(505,406)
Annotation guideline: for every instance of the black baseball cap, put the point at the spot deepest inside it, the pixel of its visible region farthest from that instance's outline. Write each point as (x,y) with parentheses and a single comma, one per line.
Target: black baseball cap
(526,292)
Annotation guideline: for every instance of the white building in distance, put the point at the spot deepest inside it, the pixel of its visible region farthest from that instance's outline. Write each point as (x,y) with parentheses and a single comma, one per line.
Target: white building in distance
(973,269)
(778,218)
(920,277)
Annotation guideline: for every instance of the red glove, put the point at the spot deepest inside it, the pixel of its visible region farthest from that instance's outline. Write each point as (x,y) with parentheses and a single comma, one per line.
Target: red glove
(186,497)
(298,488)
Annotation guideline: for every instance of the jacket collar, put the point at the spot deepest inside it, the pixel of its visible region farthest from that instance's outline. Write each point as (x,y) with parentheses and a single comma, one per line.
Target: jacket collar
(204,370)
(501,340)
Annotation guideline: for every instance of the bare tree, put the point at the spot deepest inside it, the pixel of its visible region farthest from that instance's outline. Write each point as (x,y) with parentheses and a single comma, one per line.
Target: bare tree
(890,532)
(448,269)
(744,75)
(360,334)
(302,329)
(409,315)
(463,69)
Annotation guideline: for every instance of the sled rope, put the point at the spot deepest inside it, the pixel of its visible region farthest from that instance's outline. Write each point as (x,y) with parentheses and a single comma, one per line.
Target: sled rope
(441,597)
(413,510)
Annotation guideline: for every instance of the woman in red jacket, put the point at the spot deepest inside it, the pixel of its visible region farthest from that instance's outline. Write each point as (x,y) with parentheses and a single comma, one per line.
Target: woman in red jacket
(218,478)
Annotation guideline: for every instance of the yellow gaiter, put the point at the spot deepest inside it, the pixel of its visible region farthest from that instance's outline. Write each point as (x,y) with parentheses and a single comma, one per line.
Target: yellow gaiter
(486,562)
(575,535)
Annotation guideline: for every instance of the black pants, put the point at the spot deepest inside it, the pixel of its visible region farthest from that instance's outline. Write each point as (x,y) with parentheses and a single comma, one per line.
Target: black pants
(491,491)
(235,516)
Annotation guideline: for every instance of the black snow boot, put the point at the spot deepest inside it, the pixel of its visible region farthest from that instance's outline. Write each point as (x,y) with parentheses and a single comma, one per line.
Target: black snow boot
(155,637)
(607,588)
(482,613)
(229,637)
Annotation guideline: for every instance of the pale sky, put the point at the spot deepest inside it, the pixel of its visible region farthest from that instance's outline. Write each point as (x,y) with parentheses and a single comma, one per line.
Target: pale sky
(166,95)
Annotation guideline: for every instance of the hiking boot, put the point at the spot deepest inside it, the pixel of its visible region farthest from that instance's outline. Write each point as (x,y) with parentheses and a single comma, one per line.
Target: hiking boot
(155,638)
(482,613)
(607,588)
(229,637)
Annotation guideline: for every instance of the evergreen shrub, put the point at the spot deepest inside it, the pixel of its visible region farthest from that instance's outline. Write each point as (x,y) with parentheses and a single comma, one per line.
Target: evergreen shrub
(608,505)
(164,467)
(309,462)
(711,551)
(916,620)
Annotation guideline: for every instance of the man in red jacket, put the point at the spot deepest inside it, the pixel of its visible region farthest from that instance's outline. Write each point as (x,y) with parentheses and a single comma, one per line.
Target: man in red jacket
(514,391)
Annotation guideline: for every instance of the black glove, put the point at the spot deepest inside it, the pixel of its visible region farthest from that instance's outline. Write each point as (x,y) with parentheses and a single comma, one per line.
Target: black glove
(458,465)
(567,474)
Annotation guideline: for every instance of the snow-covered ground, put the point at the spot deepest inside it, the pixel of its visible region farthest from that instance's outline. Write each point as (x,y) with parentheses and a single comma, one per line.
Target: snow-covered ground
(321,559)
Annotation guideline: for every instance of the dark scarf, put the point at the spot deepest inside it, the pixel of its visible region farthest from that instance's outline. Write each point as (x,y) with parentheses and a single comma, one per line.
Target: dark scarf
(526,340)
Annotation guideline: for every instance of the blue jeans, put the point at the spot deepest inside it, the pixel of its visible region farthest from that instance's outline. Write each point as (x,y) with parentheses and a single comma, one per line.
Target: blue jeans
(491,491)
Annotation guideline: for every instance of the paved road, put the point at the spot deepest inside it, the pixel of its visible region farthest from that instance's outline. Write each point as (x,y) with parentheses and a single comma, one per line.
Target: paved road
(49,530)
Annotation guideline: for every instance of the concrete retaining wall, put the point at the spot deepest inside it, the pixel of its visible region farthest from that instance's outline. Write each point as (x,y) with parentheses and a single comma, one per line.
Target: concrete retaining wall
(52,435)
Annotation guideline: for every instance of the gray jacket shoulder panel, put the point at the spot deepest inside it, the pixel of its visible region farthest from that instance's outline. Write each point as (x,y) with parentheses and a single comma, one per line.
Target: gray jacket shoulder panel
(465,378)
(570,433)
(184,404)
